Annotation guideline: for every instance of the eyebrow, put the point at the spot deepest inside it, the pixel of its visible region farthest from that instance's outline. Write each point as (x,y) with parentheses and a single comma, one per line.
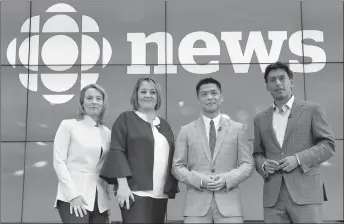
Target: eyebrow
(278,76)
(148,89)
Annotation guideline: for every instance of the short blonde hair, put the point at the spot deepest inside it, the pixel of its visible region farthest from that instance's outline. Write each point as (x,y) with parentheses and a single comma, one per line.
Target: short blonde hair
(134,98)
(82,111)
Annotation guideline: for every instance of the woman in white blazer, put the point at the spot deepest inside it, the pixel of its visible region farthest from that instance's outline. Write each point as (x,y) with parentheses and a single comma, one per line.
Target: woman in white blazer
(80,147)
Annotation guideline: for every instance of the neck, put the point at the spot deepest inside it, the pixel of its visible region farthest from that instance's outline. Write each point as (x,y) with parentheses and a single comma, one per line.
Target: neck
(280,103)
(211,115)
(95,118)
(149,113)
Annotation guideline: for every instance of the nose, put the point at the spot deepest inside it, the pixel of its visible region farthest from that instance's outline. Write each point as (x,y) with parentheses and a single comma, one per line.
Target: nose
(94,101)
(278,82)
(148,95)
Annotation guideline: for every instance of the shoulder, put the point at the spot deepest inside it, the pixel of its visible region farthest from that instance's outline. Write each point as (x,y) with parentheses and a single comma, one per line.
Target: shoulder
(69,123)
(313,109)
(67,126)
(262,113)
(235,124)
(310,105)
(125,114)
(122,117)
(106,129)
(190,126)
(163,122)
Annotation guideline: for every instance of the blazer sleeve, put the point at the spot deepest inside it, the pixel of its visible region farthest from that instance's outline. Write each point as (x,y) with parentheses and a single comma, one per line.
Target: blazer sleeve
(61,147)
(258,150)
(245,162)
(116,164)
(180,160)
(324,147)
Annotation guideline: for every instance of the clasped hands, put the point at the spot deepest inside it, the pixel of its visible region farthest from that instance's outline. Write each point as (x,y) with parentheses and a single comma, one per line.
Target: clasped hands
(214,183)
(287,164)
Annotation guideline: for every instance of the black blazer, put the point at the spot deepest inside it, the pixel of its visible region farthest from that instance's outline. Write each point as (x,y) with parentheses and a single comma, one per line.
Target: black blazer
(131,154)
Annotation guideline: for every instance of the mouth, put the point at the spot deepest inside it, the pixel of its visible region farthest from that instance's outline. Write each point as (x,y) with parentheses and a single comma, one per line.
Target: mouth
(277,90)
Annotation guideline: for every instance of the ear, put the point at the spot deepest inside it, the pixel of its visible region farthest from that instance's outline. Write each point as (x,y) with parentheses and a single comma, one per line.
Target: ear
(291,83)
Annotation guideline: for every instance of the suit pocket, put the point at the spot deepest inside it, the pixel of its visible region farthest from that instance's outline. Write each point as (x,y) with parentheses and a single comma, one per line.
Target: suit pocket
(309,188)
(197,203)
(229,203)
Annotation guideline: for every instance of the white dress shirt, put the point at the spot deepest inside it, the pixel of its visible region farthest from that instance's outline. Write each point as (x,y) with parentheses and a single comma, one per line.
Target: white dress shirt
(280,120)
(207,124)
(80,148)
(161,152)
(279,123)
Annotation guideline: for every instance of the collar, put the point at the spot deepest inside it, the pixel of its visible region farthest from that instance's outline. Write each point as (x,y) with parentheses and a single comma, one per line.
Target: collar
(89,121)
(286,106)
(143,116)
(215,119)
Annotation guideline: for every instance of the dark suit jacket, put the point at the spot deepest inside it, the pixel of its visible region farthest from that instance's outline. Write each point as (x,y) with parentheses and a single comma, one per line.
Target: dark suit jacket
(131,154)
(307,135)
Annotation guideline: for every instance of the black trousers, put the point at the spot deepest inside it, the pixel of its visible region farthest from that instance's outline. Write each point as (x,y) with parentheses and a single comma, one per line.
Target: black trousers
(145,210)
(92,217)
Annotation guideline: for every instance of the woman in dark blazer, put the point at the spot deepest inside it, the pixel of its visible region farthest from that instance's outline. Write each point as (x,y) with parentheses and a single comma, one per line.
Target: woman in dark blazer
(140,157)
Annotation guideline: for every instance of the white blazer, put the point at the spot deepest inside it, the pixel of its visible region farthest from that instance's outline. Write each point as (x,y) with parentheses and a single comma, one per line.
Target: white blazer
(78,161)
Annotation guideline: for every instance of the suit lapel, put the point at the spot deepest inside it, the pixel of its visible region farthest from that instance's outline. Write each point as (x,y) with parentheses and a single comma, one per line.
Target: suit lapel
(294,116)
(202,135)
(222,130)
(268,121)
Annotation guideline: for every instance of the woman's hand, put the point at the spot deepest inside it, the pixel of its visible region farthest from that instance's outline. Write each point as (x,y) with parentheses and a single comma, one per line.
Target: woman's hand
(78,206)
(124,193)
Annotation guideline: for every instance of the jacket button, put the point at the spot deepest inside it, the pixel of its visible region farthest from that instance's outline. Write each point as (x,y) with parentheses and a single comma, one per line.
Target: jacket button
(282,153)
(213,170)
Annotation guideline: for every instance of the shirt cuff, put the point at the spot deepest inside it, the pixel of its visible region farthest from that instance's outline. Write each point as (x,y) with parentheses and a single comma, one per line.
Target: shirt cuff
(201,182)
(298,161)
(263,167)
(265,173)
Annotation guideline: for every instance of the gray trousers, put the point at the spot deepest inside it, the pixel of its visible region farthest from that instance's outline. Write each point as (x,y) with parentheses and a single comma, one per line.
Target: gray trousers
(287,211)
(213,216)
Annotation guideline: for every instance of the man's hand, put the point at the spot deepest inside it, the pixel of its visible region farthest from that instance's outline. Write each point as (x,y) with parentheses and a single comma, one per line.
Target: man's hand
(219,183)
(207,182)
(271,166)
(288,164)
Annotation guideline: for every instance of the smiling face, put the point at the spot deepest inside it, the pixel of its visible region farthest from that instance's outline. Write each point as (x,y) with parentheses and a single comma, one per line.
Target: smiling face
(279,85)
(210,98)
(93,102)
(147,96)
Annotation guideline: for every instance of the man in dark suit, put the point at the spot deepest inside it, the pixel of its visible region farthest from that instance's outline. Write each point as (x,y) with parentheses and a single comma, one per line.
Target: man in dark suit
(291,139)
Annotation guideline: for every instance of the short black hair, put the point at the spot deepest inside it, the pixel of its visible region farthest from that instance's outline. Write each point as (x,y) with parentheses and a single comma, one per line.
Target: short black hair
(275,66)
(207,81)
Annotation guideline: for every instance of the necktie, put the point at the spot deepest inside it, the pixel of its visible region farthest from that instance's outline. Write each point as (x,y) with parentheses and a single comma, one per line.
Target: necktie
(212,137)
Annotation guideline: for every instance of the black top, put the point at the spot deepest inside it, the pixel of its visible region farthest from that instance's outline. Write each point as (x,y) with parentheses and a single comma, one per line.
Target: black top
(131,154)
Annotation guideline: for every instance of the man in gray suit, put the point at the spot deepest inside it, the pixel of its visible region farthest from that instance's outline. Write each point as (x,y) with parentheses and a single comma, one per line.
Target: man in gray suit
(291,139)
(212,157)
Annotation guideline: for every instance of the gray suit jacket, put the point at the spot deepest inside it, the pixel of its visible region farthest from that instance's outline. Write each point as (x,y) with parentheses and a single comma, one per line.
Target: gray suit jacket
(193,160)
(307,135)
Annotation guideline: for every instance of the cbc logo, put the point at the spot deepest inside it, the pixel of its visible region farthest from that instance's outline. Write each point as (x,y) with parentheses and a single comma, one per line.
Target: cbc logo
(54,54)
